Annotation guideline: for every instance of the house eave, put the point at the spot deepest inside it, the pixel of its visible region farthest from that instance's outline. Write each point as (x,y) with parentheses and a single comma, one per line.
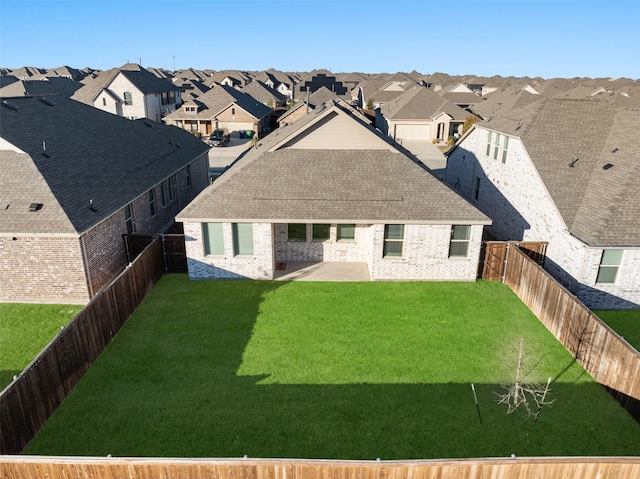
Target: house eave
(183,219)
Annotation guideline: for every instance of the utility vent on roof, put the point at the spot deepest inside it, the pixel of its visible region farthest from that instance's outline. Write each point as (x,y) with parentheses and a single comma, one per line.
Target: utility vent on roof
(10,106)
(47,102)
(35,206)
(607,166)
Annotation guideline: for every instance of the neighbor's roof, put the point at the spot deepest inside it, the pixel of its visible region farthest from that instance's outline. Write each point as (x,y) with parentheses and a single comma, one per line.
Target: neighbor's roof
(599,206)
(420,103)
(275,183)
(63,153)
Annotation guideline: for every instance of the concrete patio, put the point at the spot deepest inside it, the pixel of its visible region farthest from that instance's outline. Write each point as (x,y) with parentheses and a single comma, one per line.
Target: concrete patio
(322,271)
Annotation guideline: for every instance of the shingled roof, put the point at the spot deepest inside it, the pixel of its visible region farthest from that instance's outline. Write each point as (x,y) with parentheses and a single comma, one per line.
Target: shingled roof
(597,196)
(281,182)
(63,154)
(419,103)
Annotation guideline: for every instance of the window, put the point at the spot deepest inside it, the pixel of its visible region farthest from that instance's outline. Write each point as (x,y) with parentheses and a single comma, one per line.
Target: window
(393,239)
(476,188)
(297,232)
(496,147)
(128,100)
(165,97)
(213,238)
(188,176)
(152,202)
(243,238)
(321,232)
(179,123)
(233,111)
(459,244)
(505,145)
(104,102)
(346,233)
(609,264)
(488,152)
(194,125)
(128,219)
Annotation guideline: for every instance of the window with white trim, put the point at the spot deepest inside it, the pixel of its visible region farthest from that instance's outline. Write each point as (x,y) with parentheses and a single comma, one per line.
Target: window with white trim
(296,232)
(609,264)
(128,219)
(460,239)
(393,240)
(128,99)
(213,238)
(346,232)
(321,232)
(242,239)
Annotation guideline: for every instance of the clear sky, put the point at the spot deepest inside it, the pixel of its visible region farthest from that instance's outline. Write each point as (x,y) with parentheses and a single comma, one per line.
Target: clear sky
(547,38)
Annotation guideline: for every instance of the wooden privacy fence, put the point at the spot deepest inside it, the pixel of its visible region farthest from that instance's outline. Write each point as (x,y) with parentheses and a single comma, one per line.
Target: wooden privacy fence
(600,350)
(493,256)
(29,401)
(173,250)
(494,468)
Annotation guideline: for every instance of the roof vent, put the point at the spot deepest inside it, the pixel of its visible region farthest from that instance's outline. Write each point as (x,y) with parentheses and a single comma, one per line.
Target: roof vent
(35,206)
(10,106)
(148,123)
(607,166)
(573,163)
(47,102)
(614,150)
(91,207)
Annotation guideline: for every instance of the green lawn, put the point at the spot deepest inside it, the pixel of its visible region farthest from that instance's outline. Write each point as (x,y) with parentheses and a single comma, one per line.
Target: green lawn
(25,329)
(330,370)
(624,322)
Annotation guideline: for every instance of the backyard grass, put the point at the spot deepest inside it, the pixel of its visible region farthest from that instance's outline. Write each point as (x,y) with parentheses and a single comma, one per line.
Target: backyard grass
(25,329)
(624,322)
(331,370)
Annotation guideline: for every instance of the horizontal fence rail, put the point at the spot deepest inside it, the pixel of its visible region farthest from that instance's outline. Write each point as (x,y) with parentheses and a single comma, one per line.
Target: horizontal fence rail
(27,403)
(600,350)
(494,468)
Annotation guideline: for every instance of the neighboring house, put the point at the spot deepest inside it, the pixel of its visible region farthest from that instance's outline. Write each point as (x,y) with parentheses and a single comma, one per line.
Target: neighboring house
(231,78)
(131,91)
(319,79)
(566,172)
(265,94)
(74,180)
(420,114)
(331,188)
(45,86)
(222,107)
(378,92)
(501,101)
(461,95)
(279,81)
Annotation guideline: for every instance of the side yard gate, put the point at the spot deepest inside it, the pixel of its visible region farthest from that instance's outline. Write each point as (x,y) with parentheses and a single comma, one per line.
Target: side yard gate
(173,250)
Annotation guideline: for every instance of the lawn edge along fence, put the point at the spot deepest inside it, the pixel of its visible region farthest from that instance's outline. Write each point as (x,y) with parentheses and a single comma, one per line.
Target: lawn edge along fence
(611,360)
(15,467)
(27,403)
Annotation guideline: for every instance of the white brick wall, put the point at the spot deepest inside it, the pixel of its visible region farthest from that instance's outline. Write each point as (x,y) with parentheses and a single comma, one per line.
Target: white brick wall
(425,253)
(513,195)
(260,265)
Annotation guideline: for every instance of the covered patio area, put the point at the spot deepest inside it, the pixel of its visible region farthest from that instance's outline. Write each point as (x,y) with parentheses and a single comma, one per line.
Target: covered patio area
(321,271)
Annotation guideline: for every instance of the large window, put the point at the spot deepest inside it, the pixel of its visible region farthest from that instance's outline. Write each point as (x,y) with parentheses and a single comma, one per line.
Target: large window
(128,99)
(393,240)
(476,188)
(213,238)
(609,264)
(499,144)
(128,219)
(243,238)
(459,244)
(321,232)
(346,233)
(297,232)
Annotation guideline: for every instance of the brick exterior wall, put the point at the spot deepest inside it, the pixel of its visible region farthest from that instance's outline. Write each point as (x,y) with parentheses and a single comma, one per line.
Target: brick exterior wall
(513,195)
(425,253)
(260,265)
(43,270)
(52,269)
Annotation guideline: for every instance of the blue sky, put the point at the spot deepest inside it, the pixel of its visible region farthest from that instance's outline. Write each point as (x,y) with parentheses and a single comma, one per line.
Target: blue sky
(547,38)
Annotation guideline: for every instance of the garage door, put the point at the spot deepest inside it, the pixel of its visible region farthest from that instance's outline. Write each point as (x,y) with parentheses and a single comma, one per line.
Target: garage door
(412,132)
